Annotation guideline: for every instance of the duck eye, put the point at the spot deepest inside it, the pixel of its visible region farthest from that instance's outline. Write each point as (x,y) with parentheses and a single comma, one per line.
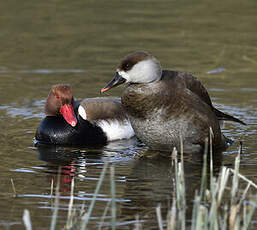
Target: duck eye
(127,66)
(57,97)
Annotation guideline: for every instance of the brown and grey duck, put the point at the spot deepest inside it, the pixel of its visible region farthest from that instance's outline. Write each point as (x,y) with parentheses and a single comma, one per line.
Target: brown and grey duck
(165,105)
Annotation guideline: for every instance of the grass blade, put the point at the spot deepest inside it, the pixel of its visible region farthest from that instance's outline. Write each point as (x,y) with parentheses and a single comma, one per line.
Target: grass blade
(113,197)
(56,201)
(86,216)
(26,220)
(69,217)
(104,215)
(159,217)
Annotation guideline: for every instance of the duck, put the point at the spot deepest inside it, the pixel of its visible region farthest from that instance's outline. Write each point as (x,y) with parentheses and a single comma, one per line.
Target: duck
(166,106)
(87,122)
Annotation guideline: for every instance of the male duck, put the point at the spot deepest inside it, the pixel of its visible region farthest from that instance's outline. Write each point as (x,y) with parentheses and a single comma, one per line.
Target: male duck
(163,105)
(90,122)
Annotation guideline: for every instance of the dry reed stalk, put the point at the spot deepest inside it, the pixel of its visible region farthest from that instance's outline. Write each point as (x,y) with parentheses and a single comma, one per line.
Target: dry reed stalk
(26,220)
(69,215)
(86,216)
(104,214)
(13,188)
(159,216)
(56,201)
(112,181)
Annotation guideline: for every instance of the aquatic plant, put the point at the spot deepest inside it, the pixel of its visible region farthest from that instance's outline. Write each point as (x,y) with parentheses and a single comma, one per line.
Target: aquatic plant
(212,208)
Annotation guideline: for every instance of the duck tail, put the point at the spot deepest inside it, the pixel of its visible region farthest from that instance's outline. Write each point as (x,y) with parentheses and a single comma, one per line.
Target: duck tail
(226,117)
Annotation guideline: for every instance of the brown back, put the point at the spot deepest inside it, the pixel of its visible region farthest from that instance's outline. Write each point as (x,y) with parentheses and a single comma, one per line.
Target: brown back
(103,108)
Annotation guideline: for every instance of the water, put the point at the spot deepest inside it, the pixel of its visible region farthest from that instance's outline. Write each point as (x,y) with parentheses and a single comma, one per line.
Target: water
(81,42)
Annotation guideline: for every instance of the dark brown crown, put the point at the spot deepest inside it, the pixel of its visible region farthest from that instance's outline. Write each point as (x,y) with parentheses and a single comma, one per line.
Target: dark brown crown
(133,58)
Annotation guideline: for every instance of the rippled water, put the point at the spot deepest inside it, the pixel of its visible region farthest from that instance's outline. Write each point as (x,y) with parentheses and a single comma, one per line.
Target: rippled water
(81,42)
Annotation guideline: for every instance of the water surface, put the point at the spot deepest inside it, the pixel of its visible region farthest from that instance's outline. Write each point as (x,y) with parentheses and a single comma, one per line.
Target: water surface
(81,42)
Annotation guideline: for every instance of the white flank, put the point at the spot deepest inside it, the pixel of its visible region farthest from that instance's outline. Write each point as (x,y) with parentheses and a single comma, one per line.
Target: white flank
(82,112)
(116,130)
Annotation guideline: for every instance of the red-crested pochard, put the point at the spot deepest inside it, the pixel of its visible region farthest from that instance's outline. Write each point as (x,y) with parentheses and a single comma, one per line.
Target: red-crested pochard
(90,122)
(163,105)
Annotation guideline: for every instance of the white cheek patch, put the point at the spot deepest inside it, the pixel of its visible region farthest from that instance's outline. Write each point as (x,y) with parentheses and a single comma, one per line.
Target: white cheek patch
(116,130)
(143,72)
(124,75)
(82,112)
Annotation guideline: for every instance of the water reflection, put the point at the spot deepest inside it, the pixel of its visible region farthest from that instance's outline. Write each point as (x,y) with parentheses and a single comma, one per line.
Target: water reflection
(74,162)
(117,150)
(149,181)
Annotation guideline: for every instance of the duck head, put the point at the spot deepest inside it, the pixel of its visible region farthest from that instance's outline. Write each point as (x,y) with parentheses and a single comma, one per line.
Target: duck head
(136,67)
(60,102)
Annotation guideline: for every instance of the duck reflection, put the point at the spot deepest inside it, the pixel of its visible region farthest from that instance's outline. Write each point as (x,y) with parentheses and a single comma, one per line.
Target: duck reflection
(57,155)
(60,160)
(142,182)
(74,162)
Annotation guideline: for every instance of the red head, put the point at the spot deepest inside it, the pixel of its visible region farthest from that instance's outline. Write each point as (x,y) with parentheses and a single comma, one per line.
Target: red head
(60,101)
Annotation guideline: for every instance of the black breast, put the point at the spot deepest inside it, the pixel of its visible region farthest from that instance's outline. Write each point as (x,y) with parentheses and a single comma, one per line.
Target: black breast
(56,131)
